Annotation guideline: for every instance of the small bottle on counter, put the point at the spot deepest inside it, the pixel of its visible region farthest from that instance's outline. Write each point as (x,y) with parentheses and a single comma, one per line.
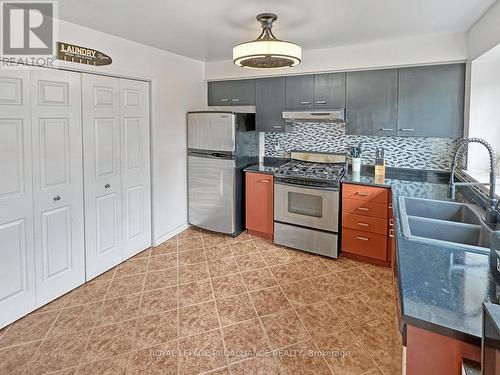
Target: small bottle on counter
(379,164)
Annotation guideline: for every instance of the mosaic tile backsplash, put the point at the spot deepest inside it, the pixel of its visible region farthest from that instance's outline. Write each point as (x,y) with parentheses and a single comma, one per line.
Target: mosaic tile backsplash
(402,152)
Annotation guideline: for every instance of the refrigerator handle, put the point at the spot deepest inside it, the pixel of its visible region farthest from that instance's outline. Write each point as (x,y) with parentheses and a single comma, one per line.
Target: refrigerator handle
(219,155)
(211,155)
(221,183)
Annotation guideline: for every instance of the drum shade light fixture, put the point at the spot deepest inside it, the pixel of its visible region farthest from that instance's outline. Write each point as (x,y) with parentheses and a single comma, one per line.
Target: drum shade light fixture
(267,51)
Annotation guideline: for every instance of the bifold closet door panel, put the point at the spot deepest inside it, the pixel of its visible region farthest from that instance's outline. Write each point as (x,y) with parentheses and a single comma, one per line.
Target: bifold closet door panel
(17,256)
(136,184)
(57,182)
(102,171)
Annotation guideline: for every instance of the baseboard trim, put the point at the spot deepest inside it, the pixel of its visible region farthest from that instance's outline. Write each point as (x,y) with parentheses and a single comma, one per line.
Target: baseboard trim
(164,237)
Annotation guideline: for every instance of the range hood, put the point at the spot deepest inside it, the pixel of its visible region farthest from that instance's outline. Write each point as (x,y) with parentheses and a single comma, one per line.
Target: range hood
(331,115)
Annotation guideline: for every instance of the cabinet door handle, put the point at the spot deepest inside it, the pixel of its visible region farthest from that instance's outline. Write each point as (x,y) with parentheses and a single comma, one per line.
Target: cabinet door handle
(320,101)
(392,233)
(407,130)
(265,181)
(305,102)
(57,198)
(224,100)
(363,224)
(235,100)
(107,186)
(363,209)
(362,194)
(277,126)
(363,238)
(386,129)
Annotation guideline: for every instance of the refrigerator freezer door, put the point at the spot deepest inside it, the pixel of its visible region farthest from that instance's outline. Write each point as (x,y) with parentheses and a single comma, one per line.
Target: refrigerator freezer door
(211,194)
(211,131)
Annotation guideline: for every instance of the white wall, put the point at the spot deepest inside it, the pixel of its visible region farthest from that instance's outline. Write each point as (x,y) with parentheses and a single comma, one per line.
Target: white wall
(484,110)
(398,52)
(485,33)
(483,47)
(177,87)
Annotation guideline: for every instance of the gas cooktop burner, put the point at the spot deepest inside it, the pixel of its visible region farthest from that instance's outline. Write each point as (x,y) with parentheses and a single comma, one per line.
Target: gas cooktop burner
(308,173)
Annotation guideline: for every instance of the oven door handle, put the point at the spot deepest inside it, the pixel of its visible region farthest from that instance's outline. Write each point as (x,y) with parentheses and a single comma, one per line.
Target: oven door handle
(306,186)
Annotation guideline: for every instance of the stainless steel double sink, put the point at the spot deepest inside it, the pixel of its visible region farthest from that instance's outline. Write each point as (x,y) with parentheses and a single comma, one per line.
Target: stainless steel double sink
(444,223)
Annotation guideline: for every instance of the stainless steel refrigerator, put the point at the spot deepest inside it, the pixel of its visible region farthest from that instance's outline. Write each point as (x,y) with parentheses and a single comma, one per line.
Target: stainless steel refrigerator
(220,145)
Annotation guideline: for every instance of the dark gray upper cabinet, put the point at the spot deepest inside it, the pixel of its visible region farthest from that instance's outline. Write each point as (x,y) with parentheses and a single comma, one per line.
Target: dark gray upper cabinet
(426,101)
(269,104)
(316,91)
(240,92)
(219,93)
(371,102)
(299,92)
(431,101)
(243,92)
(329,90)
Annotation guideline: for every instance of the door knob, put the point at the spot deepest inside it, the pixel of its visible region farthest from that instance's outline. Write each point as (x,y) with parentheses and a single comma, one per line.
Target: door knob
(107,186)
(57,198)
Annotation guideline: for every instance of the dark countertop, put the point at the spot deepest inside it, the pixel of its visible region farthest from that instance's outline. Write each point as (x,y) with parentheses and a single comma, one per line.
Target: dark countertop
(261,168)
(393,176)
(268,166)
(441,289)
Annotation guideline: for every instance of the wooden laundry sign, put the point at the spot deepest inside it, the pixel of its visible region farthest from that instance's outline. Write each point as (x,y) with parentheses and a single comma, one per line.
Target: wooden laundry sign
(81,55)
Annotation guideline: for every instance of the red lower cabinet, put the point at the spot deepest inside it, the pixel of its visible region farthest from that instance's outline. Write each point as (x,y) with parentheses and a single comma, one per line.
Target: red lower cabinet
(367,224)
(260,204)
(430,353)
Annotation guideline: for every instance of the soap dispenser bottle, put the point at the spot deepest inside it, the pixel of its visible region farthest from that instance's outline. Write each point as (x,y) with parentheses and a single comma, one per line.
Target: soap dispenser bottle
(379,162)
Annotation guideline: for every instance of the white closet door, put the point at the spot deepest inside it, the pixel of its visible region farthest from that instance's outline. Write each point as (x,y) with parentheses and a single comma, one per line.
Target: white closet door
(17,257)
(103,193)
(57,182)
(136,185)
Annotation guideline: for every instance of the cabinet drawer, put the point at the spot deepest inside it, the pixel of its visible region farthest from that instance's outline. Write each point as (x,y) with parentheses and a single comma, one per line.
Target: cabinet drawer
(365,223)
(360,207)
(364,243)
(365,193)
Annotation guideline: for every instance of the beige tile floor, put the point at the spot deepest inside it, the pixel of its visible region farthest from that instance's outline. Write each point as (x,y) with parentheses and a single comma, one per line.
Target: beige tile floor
(204,303)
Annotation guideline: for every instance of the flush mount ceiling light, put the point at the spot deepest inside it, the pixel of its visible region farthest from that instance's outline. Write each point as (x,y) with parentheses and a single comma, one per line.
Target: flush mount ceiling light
(267,51)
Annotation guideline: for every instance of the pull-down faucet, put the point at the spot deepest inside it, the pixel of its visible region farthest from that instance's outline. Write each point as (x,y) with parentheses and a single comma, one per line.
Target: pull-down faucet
(492,216)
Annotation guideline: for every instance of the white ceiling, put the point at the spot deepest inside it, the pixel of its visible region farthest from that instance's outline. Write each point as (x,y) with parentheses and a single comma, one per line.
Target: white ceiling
(207,30)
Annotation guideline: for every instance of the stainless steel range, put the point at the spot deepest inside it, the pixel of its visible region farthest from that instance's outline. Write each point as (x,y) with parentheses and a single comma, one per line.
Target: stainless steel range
(306,202)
